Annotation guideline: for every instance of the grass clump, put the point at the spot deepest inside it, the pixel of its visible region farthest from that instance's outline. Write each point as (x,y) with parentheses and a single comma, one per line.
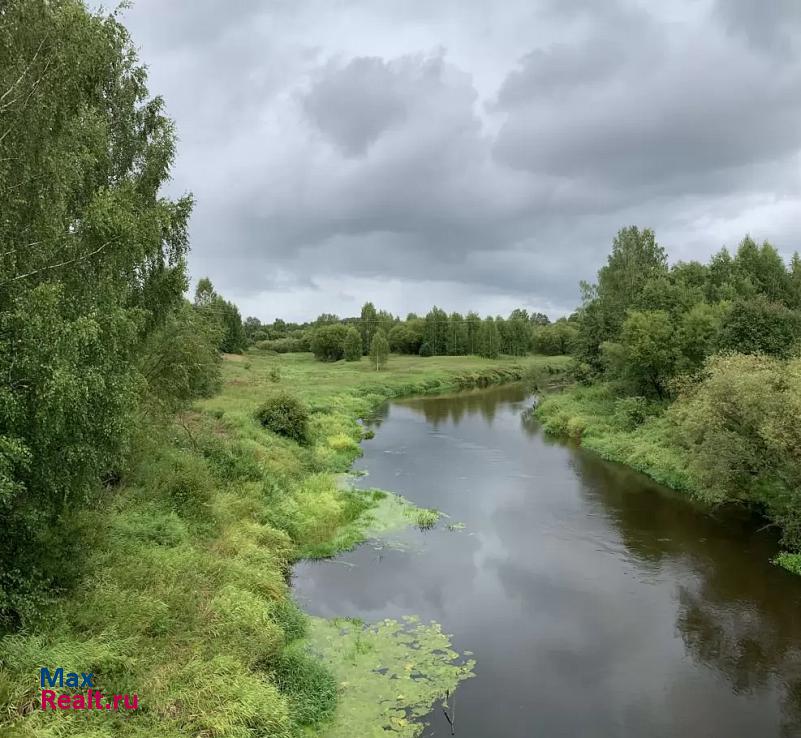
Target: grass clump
(426,518)
(310,687)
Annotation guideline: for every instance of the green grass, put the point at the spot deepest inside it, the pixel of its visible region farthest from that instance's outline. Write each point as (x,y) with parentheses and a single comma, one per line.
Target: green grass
(426,518)
(639,437)
(629,432)
(789,561)
(182,595)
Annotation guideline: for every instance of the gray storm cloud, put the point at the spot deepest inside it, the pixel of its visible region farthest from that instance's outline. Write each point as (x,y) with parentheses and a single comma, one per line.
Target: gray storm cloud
(470,152)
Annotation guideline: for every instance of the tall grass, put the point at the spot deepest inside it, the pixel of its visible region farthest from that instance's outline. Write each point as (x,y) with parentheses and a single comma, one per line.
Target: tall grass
(632,431)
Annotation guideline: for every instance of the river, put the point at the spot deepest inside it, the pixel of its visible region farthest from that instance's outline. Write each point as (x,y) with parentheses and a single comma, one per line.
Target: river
(596,602)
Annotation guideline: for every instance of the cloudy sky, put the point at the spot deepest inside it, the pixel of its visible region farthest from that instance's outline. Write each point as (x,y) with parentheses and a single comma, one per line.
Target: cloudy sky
(470,153)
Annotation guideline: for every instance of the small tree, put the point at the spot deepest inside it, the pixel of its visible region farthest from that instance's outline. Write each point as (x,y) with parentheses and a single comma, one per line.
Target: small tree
(379,349)
(353,345)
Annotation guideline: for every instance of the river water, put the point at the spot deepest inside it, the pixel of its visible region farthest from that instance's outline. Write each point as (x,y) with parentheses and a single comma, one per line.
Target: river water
(596,602)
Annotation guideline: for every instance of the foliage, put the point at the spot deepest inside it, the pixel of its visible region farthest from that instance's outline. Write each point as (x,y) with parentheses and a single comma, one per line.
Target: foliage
(456,340)
(180,361)
(635,433)
(722,340)
(636,259)
(427,518)
(739,426)
(91,266)
(789,561)
(232,338)
(286,345)
(368,324)
(285,415)
(648,351)
(757,325)
(489,339)
(328,342)
(435,331)
(555,339)
(438,334)
(254,331)
(379,350)
(406,338)
(352,346)
(644,324)
(698,335)
(516,336)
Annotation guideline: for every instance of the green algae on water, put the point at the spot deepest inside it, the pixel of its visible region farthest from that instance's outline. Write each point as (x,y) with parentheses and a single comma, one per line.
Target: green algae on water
(390,674)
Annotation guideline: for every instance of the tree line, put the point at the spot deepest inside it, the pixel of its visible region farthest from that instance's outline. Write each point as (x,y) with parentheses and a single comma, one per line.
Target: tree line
(702,362)
(437,333)
(645,322)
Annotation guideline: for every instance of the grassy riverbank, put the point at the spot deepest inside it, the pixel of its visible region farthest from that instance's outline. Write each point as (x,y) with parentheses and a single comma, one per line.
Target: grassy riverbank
(645,436)
(610,426)
(184,599)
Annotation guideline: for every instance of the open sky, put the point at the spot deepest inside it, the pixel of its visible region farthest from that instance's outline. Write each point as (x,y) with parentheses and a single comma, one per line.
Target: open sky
(470,153)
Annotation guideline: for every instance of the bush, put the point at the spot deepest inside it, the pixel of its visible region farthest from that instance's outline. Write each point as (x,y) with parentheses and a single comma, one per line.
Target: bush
(328,342)
(739,425)
(285,415)
(284,345)
(631,412)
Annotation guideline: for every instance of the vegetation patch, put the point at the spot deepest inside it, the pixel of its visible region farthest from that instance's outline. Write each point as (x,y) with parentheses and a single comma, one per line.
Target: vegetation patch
(789,561)
(691,373)
(389,675)
(285,415)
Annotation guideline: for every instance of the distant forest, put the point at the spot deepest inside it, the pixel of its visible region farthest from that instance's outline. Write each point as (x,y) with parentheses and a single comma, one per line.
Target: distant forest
(645,321)
(437,333)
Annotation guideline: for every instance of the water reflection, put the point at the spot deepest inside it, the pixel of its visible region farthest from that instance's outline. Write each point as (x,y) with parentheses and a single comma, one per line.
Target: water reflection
(737,614)
(485,403)
(596,602)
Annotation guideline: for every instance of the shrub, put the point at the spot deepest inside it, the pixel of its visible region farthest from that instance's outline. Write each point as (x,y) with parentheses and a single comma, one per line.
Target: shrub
(631,412)
(328,342)
(284,345)
(285,415)
(575,427)
(739,426)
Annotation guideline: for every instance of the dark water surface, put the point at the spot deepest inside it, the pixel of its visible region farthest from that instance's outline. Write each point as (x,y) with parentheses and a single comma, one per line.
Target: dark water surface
(596,602)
